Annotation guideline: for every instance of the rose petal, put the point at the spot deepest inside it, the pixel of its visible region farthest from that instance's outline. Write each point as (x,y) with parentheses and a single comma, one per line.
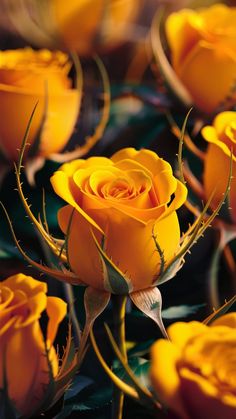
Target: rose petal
(205,59)
(56,311)
(164,374)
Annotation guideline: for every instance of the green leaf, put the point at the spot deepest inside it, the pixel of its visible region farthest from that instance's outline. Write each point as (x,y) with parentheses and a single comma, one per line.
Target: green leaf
(140,368)
(181,311)
(141,348)
(80,382)
(92,399)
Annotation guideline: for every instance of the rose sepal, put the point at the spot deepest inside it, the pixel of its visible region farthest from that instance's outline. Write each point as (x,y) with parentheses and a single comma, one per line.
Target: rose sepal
(220,311)
(58,385)
(115,281)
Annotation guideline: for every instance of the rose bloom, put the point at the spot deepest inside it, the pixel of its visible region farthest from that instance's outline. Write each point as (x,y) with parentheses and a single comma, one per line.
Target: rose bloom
(124,201)
(23,358)
(221,137)
(28,77)
(88,25)
(194,373)
(203,53)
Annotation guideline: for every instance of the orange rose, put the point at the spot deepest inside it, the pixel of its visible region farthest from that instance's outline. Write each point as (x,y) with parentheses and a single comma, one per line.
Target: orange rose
(127,201)
(194,373)
(203,53)
(221,137)
(85,25)
(23,359)
(28,77)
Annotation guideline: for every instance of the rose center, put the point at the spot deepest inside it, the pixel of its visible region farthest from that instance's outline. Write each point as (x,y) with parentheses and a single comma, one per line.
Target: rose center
(118,189)
(216,363)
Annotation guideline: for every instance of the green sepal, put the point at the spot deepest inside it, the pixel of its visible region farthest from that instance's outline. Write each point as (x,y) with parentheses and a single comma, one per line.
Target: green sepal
(68,367)
(139,366)
(140,349)
(222,310)
(115,281)
(224,212)
(194,233)
(49,392)
(57,386)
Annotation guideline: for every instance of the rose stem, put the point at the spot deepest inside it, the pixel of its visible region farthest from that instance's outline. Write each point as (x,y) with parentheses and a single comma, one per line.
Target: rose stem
(119,304)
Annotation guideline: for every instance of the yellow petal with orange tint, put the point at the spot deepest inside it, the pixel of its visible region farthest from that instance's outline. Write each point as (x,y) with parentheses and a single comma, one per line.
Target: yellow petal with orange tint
(228,320)
(179,199)
(203,60)
(62,110)
(56,311)
(34,308)
(164,375)
(133,249)
(25,347)
(181,332)
(25,283)
(83,256)
(215,159)
(6,295)
(182,31)
(210,134)
(123,154)
(12,134)
(61,186)
(201,396)
(222,120)
(75,22)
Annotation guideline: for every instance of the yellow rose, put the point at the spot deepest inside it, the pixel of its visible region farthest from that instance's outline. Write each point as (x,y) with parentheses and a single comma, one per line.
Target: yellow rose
(221,137)
(194,373)
(85,25)
(28,77)
(203,53)
(125,201)
(23,358)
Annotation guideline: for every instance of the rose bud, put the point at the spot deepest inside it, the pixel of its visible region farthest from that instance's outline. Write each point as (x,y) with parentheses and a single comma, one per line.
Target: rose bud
(27,360)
